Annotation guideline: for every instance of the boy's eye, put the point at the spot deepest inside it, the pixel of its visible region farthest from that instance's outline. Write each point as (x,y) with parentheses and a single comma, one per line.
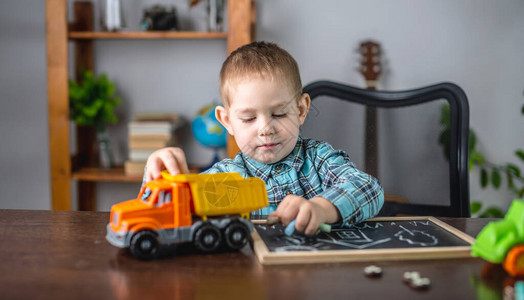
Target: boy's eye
(279,115)
(247,120)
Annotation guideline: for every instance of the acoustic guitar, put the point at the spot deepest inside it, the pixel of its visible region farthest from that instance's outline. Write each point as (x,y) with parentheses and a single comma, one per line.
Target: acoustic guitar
(370,68)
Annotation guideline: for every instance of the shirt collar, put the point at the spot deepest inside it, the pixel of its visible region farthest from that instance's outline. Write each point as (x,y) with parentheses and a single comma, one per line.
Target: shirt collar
(295,160)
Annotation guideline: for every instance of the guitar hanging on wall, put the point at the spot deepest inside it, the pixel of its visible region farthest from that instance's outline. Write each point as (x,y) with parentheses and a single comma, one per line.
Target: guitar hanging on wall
(371,69)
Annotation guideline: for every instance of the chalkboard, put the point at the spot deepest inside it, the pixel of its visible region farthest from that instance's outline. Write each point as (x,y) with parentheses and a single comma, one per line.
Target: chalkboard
(396,238)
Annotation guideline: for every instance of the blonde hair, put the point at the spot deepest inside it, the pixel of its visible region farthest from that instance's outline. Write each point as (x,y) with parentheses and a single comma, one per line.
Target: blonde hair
(263,59)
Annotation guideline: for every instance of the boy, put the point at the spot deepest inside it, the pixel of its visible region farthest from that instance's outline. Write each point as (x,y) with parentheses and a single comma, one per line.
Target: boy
(263,108)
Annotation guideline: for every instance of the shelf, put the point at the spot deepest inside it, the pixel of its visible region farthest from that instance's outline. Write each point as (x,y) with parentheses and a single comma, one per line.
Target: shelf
(90,35)
(113,175)
(79,31)
(116,174)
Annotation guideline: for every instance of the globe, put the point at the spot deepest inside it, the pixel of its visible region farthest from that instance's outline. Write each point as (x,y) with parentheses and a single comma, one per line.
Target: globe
(208,131)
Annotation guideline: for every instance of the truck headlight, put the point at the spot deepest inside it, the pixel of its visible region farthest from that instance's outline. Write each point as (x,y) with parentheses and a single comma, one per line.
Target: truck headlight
(115,218)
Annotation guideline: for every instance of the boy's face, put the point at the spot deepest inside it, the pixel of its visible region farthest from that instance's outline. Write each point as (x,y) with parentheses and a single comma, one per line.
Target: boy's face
(264,116)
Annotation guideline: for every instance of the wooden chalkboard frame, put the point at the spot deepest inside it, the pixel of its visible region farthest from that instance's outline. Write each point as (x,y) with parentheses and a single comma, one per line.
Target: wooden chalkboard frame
(267,257)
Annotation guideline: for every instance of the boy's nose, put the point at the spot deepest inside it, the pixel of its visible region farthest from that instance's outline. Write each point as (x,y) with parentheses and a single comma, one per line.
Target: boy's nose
(267,127)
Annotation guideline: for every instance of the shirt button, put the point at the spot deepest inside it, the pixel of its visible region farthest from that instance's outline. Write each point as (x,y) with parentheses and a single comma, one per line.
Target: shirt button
(288,192)
(278,167)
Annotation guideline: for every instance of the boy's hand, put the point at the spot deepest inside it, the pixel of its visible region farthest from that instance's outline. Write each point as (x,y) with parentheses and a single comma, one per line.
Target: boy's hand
(309,214)
(172,158)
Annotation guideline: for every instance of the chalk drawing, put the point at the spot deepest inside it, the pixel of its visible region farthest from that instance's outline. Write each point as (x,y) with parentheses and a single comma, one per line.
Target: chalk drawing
(367,225)
(366,235)
(355,246)
(416,237)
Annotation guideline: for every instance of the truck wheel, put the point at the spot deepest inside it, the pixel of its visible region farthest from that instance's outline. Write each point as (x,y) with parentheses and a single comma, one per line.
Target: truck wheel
(236,235)
(144,245)
(514,262)
(207,238)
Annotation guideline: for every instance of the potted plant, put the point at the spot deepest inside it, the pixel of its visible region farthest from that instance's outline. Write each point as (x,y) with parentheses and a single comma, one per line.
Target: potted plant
(490,173)
(92,103)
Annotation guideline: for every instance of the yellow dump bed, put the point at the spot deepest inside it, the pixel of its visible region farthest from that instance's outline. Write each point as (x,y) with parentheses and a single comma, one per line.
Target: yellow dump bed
(223,193)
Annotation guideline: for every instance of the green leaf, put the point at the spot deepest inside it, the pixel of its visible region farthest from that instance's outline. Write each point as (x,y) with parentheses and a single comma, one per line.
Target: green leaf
(443,138)
(484,178)
(513,169)
(521,193)
(496,178)
(476,157)
(444,142)
(492,212)
(520,154)
(91,100)
(92,111)
(475,207)
(472,140)
(510,179)
(445,115)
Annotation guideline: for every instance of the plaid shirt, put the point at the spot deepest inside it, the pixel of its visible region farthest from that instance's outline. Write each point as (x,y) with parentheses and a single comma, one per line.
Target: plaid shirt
(313,169)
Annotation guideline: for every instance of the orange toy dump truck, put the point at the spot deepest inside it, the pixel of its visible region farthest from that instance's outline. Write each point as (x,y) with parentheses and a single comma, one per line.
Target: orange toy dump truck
(208,210)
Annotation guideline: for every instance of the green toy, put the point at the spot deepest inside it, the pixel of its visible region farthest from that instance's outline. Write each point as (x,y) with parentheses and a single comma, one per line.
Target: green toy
(503,241)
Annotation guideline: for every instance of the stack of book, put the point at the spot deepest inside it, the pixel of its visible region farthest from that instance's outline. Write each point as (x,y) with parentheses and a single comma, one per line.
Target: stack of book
(147,133)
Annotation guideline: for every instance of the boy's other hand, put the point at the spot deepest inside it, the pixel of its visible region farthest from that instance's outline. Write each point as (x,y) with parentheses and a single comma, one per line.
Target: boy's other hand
(309,214)
(171,158)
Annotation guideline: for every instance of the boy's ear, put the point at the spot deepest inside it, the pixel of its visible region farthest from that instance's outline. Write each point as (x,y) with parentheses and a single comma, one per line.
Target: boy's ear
(303,107)
(223,117)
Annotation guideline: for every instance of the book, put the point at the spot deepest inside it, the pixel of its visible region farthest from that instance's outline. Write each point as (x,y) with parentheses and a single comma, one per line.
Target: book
(156,116)
(134,167)
(150,142)
(148,132)
(157,128)
(140,154)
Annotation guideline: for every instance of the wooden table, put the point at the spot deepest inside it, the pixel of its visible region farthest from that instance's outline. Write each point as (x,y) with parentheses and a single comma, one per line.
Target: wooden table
(64,255)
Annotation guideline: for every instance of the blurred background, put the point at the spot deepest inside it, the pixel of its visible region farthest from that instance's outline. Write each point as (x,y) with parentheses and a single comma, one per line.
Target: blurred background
(478,45)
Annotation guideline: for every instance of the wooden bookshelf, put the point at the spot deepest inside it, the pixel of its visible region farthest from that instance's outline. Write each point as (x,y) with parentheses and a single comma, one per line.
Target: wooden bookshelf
(80,167)
(111,175)
(102,35)
(116,174)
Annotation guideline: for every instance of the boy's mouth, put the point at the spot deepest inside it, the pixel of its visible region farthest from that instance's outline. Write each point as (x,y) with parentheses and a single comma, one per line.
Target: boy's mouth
(268,146)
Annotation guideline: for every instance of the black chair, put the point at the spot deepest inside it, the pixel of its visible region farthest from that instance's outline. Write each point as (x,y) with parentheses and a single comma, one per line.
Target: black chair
(459,126)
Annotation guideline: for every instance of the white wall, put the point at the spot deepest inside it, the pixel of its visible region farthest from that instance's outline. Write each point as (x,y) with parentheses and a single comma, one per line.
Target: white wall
(476,44)
(24,154)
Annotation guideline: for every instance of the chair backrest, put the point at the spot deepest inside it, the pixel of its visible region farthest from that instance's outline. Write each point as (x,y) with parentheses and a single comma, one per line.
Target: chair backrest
(459,135)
